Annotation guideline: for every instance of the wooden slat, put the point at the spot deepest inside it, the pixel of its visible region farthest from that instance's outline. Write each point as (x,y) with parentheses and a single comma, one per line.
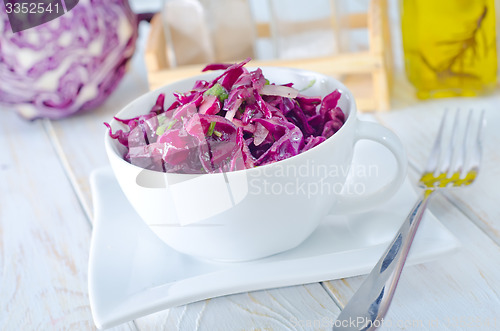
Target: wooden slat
(263,30)
(361,86)
(285,28)
(332,65)
(349,21)
(306,307)
(387,47)
(44,235)
(155,54)
(355,21)
(377,8)
(380,48)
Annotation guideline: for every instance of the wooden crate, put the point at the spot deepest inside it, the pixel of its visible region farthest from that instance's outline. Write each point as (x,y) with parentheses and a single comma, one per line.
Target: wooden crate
(367,73)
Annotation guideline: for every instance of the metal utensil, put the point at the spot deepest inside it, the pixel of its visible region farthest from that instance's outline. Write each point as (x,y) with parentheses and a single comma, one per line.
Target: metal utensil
(453,162)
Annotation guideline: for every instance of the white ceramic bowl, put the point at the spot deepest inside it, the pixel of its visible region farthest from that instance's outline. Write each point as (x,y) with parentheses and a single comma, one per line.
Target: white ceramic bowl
(253,213)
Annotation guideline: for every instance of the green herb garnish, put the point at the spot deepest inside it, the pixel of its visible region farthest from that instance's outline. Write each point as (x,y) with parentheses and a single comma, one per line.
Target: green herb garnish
(171,124)
(211,129)
(165,126)
(161,130)
(219,91)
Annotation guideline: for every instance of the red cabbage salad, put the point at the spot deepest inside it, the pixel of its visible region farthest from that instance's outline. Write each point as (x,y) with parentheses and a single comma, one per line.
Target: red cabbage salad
(238,120)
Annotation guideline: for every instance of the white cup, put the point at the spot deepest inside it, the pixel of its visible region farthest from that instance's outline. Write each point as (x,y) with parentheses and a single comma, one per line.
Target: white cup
(257,212)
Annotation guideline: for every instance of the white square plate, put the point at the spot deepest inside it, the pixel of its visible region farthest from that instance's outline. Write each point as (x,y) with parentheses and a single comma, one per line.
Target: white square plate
(132,273)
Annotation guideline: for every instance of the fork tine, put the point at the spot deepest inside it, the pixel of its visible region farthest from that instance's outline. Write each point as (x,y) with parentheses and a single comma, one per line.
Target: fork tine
(475,154)
(446,165)
(479,141)
(438,169)
(449,164)
(463,150)
(458,163)
(434,156)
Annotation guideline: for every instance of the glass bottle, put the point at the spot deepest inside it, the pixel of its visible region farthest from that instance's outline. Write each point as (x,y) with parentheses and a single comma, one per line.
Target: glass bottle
(449,46)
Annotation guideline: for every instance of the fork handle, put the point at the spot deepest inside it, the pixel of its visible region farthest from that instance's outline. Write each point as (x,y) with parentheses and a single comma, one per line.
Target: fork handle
(368,306)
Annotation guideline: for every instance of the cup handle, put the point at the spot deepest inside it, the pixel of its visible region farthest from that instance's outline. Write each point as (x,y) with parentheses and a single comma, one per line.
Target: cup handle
(378,133)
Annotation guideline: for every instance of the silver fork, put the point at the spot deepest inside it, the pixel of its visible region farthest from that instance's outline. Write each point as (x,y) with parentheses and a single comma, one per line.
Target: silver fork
(449,165)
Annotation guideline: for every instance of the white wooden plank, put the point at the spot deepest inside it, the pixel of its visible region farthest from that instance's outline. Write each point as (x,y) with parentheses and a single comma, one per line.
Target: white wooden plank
(306,307)
(459,292)
(417,126)
(44,237)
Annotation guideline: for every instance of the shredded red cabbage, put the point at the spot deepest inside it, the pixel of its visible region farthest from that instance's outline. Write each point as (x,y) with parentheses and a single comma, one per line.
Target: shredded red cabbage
(236,121)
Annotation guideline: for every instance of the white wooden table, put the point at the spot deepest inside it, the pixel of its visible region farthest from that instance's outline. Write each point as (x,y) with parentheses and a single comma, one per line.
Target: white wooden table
(46,226)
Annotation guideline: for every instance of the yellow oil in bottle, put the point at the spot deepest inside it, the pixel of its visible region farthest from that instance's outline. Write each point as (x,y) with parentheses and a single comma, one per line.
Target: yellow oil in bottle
(449,46)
